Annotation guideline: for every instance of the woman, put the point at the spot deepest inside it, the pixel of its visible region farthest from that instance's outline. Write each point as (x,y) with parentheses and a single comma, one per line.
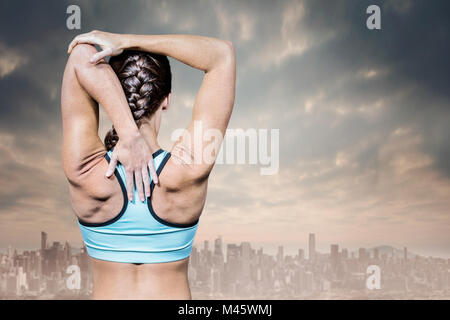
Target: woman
(139,234)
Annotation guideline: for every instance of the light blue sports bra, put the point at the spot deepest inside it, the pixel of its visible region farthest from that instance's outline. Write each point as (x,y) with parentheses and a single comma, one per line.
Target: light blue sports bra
(136,234)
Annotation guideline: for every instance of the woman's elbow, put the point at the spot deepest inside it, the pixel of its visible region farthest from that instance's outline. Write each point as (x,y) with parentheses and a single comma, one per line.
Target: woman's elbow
(229,46)
(81,54)
(229,49)
(227,54)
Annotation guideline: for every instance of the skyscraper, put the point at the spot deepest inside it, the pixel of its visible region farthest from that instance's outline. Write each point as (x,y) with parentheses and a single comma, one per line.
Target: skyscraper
(280,254)
(344,253)
(312,247)
(218,246)
(376,254)
(206,255)
(245,260)
(233,264)
(43,241)
(218,257)
(362,254)
(42,265)
(301,254)
(67,251)
(334,256)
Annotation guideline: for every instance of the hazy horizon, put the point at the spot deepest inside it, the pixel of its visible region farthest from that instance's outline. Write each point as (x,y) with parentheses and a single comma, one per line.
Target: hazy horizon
(268,248)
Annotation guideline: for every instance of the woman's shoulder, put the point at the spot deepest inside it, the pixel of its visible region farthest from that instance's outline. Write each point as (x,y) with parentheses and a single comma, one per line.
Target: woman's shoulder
(94,194)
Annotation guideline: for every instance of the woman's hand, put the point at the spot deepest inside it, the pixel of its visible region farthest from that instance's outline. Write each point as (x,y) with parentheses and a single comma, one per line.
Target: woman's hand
(110,43)
(134,154)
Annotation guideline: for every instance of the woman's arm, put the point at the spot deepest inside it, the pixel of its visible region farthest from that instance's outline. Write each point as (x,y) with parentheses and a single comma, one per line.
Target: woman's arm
(199,52)
(215,98)
(99,83)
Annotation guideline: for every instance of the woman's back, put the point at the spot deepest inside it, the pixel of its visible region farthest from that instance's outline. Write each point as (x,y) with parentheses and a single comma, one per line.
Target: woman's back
(139,245)
(134,241)
(137,234)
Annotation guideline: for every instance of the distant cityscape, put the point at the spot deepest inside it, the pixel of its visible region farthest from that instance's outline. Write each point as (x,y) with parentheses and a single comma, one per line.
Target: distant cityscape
(242,272)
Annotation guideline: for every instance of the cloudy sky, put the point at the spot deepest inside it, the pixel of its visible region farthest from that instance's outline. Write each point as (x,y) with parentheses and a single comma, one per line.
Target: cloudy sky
(363,118)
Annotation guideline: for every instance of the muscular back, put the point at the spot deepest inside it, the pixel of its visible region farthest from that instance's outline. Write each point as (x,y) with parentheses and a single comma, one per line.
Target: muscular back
(180,195)
(178,198)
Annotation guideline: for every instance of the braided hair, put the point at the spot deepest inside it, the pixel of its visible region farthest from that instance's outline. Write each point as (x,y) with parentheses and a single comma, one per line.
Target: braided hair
(146,80)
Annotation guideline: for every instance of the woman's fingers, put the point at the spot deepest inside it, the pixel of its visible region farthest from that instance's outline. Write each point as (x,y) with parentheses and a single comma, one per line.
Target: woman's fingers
(129,177)
(138,181)
(72,44)
(153,172)
(146,180)
(82,38)
(112,165)
(100,55)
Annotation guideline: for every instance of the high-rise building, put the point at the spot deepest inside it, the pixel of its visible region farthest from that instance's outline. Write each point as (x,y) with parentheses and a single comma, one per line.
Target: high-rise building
(344,253)
(376,254)
(233,264)
(245,260)
(280,254)
(362,254)
(312,247)
(218,258)
(405,253)
(334,256)
(206,255)
(194,260)
(43,266)
(67,251)
(43,241)
(218,246)
(301,254)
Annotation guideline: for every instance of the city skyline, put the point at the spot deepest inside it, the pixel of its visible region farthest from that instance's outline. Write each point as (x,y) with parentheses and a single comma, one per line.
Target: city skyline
(271,247)
(220,270)
(324,249)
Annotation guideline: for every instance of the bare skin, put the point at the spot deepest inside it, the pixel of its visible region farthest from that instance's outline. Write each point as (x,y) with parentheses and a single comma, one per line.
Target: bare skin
(124,281)
(181,193)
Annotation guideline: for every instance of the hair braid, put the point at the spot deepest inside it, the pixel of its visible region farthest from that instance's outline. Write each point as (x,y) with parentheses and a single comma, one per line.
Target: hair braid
(146,80)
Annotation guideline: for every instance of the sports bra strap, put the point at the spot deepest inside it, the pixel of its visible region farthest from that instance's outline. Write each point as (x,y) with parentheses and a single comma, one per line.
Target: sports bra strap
(159,169)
